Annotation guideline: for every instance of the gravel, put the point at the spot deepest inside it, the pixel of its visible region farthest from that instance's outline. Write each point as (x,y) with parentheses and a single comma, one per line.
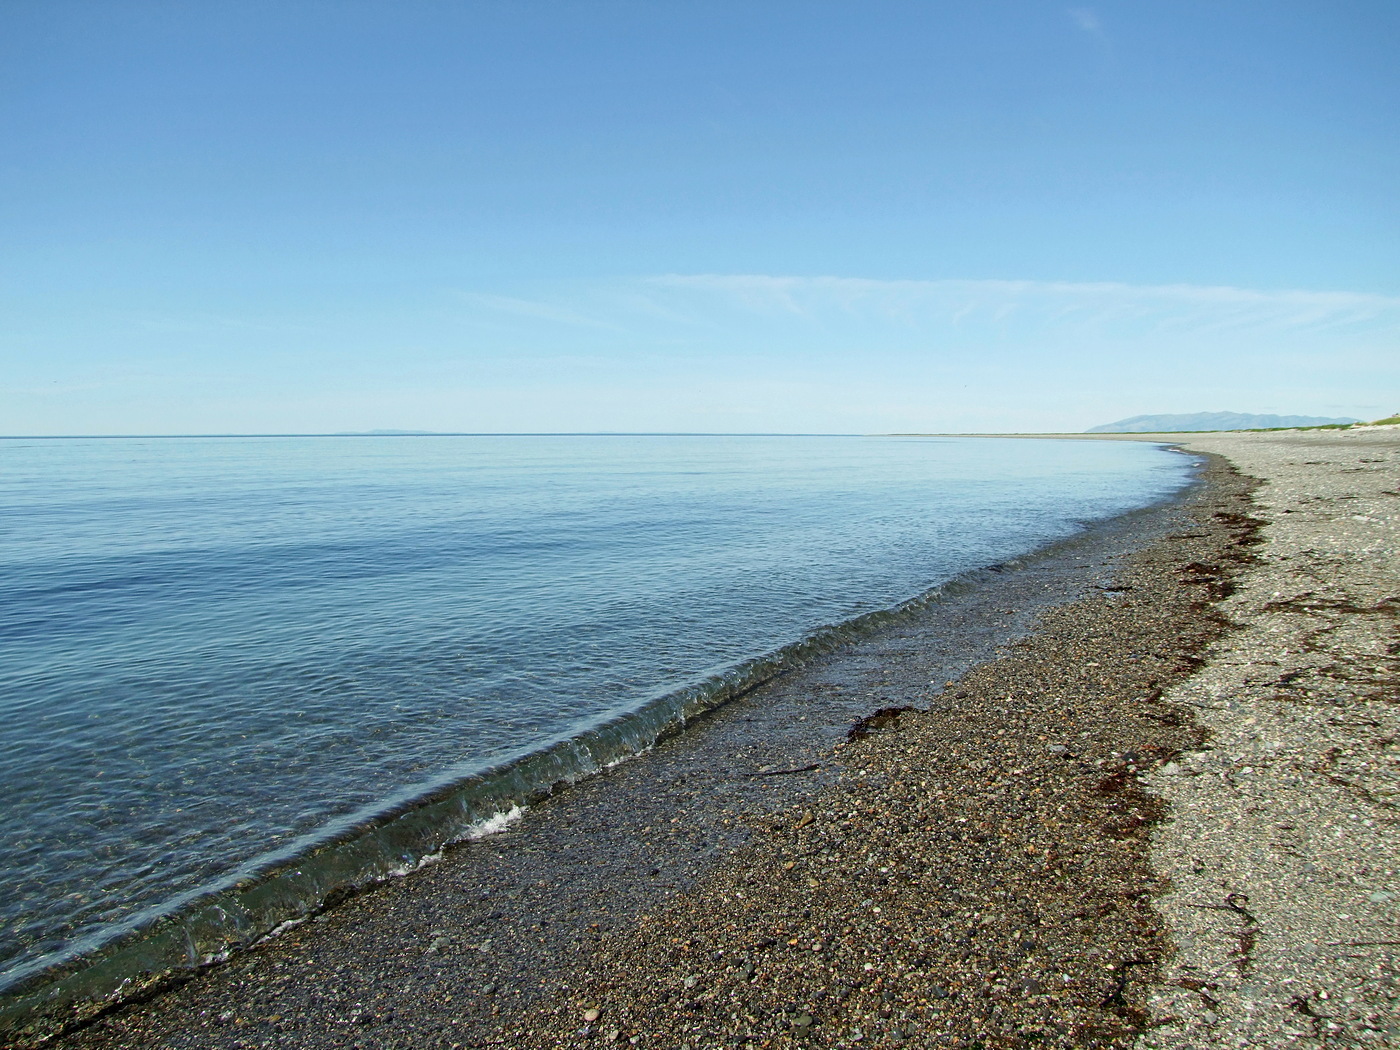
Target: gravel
(1282,849)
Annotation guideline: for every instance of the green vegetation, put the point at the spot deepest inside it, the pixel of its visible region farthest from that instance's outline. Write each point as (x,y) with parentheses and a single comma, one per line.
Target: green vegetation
(1319,426)
(1387,421)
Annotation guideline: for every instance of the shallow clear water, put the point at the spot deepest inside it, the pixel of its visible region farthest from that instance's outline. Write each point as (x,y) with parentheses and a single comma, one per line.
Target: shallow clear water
(213,649)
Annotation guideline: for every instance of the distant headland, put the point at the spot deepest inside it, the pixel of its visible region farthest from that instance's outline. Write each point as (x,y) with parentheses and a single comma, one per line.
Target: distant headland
(1213,421)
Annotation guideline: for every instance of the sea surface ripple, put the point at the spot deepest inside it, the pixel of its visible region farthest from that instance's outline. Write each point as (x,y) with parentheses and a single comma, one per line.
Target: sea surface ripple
(215,649)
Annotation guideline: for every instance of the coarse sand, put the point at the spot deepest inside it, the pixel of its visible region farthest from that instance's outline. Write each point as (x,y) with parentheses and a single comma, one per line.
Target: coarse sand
(1281,850)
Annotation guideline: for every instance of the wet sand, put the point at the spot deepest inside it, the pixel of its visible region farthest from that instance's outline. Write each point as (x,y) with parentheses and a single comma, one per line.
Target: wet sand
(974,871)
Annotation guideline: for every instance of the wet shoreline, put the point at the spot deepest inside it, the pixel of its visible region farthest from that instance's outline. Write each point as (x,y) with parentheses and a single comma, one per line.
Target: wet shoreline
(509,928)
(979,874)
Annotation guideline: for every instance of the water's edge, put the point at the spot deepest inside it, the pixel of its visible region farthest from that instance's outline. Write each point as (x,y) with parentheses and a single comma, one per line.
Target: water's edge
(289,889)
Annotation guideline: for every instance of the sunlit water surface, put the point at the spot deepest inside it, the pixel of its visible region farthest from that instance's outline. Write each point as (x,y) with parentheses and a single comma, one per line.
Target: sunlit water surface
(211,649)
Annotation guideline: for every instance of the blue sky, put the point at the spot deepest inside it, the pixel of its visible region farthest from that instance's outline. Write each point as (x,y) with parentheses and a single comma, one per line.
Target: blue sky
(559,216)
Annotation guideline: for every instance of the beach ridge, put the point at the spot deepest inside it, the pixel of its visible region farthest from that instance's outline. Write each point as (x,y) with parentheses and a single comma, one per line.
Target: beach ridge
(1282,850)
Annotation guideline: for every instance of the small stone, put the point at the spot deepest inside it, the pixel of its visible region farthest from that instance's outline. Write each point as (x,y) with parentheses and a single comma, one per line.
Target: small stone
(1381,897)
(592,1014)
(802,1021)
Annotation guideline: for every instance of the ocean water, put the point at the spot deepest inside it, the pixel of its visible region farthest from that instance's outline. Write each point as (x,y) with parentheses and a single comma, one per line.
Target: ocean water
(237,673)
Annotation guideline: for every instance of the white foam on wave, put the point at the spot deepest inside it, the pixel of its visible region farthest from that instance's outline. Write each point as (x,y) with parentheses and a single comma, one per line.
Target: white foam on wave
(409,867)
(490,826)
(494,824)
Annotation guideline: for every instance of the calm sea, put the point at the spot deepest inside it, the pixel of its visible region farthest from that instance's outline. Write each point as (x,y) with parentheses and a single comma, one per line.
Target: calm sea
(218,656)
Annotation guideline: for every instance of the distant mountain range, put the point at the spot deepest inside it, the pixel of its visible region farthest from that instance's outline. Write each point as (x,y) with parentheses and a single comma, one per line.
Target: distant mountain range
(1211,421)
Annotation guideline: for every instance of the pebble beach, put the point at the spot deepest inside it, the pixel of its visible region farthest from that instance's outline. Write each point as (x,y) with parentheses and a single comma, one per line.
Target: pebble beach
(1281,849)
(1137,792)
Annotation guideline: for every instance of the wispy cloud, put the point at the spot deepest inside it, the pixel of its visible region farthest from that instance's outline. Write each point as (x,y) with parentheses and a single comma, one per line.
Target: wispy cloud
(537,309)
(1086,19)
(1172,307)
(1018,354)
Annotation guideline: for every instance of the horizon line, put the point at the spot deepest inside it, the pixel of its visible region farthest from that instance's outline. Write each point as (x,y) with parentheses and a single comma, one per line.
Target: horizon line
(449,433)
